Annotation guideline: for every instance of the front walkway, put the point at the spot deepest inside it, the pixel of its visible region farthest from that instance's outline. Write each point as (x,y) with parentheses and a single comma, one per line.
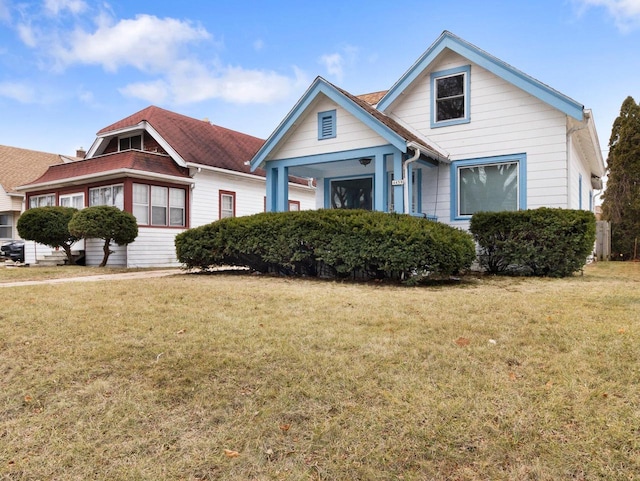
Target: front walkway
(99,277)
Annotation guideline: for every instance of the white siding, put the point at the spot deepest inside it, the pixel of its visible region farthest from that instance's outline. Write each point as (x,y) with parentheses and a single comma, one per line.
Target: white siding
(303,140)
(94,253)
(503,120)
(250,194)
(154,247)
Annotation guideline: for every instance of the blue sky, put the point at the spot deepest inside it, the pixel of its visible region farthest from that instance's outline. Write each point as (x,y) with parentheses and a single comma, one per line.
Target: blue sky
(70,67)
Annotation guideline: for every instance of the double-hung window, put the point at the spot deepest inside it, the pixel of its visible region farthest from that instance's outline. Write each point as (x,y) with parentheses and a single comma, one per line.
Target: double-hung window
(227,203)
(490,185)
(159,206)
(450,96)
(107,195)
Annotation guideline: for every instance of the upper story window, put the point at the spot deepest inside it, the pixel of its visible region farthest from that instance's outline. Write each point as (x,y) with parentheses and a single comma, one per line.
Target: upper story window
(327,125)
(450,96)
(45,200)
(128,143)
(107,195)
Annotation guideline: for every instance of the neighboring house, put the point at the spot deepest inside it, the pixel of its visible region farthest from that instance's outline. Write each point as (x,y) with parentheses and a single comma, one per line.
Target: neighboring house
(461,131)
(171,172)
(17,167)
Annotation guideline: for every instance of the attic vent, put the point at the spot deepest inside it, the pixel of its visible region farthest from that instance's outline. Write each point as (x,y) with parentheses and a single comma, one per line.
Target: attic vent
(327,125)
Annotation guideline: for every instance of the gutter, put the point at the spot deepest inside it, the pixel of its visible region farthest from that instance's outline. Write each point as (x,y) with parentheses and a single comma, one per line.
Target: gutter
(405,174)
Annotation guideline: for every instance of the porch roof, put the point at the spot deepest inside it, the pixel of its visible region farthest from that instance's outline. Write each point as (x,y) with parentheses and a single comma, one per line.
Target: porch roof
(148,163)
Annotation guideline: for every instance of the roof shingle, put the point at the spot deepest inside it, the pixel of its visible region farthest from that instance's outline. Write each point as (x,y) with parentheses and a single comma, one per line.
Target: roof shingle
(196,141)
(19,166)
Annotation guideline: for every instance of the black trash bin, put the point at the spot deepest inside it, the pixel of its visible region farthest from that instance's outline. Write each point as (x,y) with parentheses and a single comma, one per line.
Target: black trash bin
(13,250)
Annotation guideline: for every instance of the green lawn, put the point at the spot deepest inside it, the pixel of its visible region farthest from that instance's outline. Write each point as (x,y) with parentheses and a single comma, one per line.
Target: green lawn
(490,378)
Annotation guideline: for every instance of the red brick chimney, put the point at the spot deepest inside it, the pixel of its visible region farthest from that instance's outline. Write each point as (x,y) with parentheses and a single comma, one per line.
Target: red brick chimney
(81,153)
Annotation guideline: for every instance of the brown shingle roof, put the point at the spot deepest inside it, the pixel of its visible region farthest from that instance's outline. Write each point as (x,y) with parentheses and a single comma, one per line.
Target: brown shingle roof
(19,166)
(196,141)
(129,159)
(373,98)
(389,122)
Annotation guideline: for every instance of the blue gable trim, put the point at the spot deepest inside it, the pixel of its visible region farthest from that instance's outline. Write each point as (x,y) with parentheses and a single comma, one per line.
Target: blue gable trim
(321,86)
(496,66)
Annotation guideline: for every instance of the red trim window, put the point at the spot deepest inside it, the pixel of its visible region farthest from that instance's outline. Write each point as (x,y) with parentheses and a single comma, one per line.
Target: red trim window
(226,203)
(294,205)
(159,205)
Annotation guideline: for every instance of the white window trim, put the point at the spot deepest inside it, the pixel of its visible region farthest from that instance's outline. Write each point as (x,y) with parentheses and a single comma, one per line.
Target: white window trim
(42,196)
(71,197)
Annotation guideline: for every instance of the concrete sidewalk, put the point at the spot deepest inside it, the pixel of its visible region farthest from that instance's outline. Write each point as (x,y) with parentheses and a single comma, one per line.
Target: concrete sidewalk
(99,277)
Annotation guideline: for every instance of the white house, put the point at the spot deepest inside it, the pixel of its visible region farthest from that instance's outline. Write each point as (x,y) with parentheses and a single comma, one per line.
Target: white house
(18,166)
(171,172)
(461,131)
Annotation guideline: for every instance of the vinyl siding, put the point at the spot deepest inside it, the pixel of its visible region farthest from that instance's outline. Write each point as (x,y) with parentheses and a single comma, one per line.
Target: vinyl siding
(94,253)
(154,247)
(250,195)
(504,120)
(303,138)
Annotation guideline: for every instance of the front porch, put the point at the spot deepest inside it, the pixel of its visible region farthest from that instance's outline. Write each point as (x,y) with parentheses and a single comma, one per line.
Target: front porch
(372,178)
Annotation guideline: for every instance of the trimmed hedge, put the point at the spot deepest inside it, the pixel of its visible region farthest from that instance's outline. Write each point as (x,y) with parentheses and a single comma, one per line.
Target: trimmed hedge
(539,242)
(332,242)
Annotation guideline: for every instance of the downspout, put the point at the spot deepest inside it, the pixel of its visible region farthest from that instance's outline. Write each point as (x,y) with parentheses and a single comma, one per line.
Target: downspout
(405,175)
(570,132)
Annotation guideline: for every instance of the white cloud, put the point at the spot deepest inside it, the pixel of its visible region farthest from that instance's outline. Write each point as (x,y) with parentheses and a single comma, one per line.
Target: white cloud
(190,82)
(147,43)
(625,13)
(17,91)
(154,92)
(56,6)
(334,63)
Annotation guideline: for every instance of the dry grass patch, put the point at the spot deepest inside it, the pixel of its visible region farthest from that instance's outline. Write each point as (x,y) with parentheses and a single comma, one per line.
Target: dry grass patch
(34,273)
(494,378)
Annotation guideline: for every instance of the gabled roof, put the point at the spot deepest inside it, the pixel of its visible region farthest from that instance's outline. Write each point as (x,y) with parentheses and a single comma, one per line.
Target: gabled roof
(19,166)
(129,161)
(195,141)
(383,125)
(447,40)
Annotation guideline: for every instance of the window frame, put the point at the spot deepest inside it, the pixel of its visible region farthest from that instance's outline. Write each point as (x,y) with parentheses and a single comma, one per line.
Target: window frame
(129,137)
(232,195)
(6,226)
(330,115)
(293,203)
(71,197)
(456,166)
(111,186)
(41,196)
(170,204)
(465,71)
(331,180)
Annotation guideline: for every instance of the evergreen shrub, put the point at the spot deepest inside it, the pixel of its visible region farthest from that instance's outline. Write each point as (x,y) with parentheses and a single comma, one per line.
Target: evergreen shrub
(331,242)
(539,242)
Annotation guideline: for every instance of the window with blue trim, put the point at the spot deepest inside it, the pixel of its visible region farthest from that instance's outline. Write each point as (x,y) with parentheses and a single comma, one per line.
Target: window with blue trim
(490,185)
(326,125)
(450,96)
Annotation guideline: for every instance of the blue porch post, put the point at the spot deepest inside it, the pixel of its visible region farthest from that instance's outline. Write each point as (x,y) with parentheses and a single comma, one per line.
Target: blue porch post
(398,190)
(272,188)
(282,198)
(409,188)
(379,184)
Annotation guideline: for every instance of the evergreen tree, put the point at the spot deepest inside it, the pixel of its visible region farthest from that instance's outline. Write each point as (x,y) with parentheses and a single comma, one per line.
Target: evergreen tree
(621,205)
